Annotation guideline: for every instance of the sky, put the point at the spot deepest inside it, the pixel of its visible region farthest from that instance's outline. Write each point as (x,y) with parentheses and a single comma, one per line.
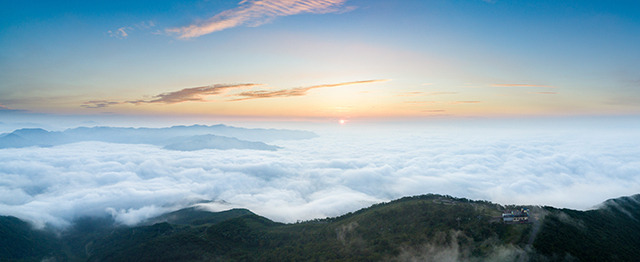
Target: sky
(306,59)
(527,102)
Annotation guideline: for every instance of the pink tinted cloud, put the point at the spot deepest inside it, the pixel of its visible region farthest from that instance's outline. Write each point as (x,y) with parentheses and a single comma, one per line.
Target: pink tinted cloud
(255,13)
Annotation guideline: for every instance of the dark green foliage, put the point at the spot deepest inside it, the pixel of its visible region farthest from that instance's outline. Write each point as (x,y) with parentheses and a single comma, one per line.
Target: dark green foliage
(412,228)
(610,233)
(20,242)
(194,216)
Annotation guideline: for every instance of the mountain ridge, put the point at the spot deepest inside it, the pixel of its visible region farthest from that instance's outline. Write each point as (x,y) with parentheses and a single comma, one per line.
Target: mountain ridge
(184,138)
(418,228)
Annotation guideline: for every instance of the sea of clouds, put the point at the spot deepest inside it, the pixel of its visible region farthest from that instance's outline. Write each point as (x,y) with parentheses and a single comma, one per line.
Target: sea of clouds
(344,169)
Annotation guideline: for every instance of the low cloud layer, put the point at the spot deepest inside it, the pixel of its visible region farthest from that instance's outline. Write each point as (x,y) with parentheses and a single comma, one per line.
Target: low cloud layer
(255,13)
(341,171)
(124,31)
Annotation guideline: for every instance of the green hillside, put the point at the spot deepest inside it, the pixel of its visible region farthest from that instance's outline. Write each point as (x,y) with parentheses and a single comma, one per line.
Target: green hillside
(421,228)
(609,233)
(404,228)
(19,242)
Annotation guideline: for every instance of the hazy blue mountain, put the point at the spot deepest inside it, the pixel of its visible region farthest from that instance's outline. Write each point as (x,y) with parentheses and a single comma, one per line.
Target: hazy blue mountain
(420,228)
(215,142)
(33,137)
(158,135)
(249,134)
(186,138)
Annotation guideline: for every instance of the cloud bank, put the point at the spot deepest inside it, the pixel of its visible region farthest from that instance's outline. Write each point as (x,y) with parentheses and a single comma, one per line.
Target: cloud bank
(341,171)
(255,13)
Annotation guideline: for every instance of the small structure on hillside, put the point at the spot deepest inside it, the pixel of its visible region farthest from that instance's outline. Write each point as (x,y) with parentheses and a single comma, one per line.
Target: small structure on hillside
(516,216)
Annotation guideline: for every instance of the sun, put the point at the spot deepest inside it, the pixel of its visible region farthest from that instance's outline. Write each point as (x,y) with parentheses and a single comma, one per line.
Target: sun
(342,121)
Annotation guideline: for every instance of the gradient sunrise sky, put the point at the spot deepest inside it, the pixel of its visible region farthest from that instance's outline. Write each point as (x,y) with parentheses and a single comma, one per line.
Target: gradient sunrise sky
(321,58)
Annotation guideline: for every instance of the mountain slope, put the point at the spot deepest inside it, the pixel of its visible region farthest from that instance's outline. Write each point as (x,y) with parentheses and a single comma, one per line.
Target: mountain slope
(18,241)
(609,233)
(420,228)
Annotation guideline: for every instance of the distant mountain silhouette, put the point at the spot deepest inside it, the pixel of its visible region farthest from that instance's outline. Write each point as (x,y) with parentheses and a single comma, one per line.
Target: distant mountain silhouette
(186,138)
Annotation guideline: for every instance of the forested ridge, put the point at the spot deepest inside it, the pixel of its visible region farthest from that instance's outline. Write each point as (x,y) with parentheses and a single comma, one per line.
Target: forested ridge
(419,228)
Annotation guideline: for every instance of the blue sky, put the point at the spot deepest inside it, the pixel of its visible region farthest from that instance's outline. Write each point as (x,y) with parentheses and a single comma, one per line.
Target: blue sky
(407,58)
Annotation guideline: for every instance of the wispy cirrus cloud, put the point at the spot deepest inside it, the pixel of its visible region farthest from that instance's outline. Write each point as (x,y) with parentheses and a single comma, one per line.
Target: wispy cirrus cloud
(123,32)
(422,102)
(120,33)
(544,93)
(255,13)
(444,102)
(530,85)
(465,102)
(521,85)
(99,104)
(299,91)
(441,93)
(198,94)
(417,93)
(191,94)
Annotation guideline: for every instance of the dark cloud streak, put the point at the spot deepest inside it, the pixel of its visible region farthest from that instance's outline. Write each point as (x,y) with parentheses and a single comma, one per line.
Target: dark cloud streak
(521,85)
(299,91)
(198,94)
(191,94)
(99,104)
